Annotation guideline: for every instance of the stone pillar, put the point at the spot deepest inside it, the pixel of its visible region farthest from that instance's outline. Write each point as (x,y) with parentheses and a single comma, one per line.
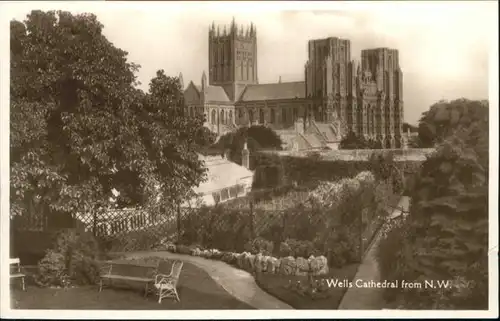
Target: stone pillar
(245,157)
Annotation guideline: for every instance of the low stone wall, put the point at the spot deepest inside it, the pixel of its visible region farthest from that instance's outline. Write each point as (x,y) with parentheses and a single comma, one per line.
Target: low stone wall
(260,263)
(410,154)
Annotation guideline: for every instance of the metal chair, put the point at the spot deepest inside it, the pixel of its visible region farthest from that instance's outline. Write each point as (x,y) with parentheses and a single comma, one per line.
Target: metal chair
(166,284)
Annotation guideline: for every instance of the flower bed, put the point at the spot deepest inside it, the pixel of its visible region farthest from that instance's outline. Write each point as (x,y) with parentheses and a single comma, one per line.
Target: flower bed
(257,263)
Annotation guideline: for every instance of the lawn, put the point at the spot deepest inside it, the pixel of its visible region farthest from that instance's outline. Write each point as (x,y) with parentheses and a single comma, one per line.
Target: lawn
(279,287)
(197,290)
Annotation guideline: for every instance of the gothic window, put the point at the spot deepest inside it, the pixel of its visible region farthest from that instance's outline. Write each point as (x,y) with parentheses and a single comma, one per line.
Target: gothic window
(222,117)
(261,116)
(213,116)
(230,117)
(273,116)
(250,115)
(240,113)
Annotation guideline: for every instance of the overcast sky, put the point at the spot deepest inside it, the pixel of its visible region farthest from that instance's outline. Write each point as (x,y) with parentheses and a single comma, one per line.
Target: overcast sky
(443,47)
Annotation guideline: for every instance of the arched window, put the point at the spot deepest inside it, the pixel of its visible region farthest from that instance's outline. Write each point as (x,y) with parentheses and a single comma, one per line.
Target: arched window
(261,116)
(273,116)
(230,120)
(250,116)
(213,116)
(222,117)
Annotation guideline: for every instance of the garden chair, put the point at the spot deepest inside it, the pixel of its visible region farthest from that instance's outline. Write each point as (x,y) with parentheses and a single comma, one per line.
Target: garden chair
(16,272)
(166,284)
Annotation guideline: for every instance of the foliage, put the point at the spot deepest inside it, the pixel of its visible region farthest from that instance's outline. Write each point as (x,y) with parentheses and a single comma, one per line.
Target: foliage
(183,249)
(304,171)
(444,117)
(385,168)
(79,128)
(206,137)
(446,233)
(257,137)
(219,227)
(353,141)
(72,260)
(259,245)
(325,221)
(297,248)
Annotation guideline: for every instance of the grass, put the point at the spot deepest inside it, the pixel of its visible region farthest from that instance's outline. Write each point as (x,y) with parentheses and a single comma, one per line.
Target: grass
(278,286)
(197,290)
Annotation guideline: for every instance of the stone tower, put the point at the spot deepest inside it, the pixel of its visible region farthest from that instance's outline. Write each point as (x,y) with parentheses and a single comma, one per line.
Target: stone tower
(232,60)
(384,64)
(328,77)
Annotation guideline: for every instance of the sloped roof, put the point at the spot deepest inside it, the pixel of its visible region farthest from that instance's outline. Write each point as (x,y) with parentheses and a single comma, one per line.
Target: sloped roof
(222,173)
(214,93)
(314,141)
(284,90)
(328,131)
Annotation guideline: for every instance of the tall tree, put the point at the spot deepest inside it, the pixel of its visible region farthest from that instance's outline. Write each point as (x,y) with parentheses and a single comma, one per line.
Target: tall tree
(80,128)
(444,117)
(257,137)
(448,221)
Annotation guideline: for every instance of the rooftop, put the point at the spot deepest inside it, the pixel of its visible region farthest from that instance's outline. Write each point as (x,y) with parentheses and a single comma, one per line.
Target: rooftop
(275,91)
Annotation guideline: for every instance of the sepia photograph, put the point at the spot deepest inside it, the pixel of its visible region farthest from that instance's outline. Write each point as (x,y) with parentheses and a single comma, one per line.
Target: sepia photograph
(311,159)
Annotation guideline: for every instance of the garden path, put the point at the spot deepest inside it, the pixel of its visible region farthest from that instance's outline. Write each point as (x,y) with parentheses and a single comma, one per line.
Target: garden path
(358,298)
(236,282)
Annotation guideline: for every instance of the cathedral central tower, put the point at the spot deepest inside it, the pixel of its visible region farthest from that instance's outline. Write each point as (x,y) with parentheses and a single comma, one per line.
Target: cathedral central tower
(232,58)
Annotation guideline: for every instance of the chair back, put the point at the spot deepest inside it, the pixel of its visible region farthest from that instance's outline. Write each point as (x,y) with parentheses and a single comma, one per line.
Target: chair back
(14,261)
(15,265)
(164,267)
(176,270)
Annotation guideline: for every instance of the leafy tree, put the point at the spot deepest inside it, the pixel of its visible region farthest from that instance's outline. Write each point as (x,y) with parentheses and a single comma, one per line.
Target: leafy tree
(353,141)
(444,117)
(80,128)
(257,137)
(447,229)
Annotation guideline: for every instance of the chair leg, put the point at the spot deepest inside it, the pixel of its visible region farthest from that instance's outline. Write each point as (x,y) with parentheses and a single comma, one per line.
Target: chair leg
(177,295)
(146,291)
(22,282)
(100,285)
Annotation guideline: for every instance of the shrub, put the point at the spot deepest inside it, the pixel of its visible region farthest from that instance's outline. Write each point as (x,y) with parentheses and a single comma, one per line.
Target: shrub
(72,260)
(259,245)
(301,248)
(218,227)
(446,233)
(183,249)
(52,270)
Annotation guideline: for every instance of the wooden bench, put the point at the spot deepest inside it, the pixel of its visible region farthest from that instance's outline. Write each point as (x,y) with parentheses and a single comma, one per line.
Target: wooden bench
(16,271)
(126,272)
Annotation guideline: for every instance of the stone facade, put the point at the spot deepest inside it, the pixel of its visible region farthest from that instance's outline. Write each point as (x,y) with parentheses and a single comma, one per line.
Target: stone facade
(338,94)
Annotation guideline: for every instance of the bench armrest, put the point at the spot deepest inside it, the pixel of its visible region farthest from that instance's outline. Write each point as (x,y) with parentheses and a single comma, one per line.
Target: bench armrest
(160,277)
(106,269)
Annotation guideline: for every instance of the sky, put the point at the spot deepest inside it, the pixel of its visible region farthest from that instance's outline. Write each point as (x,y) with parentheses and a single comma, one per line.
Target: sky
(444,48)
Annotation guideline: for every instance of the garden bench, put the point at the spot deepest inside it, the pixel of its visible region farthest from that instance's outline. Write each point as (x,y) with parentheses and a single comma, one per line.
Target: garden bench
(127,272)
(16,271)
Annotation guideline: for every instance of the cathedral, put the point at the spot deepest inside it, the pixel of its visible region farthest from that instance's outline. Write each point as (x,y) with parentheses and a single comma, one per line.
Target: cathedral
(338,94)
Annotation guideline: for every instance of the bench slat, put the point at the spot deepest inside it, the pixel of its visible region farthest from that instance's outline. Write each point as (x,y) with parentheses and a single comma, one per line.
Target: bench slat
(127,278)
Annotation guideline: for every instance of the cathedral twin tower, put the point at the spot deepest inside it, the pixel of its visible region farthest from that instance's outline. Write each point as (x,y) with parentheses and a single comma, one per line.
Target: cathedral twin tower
(365,98)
